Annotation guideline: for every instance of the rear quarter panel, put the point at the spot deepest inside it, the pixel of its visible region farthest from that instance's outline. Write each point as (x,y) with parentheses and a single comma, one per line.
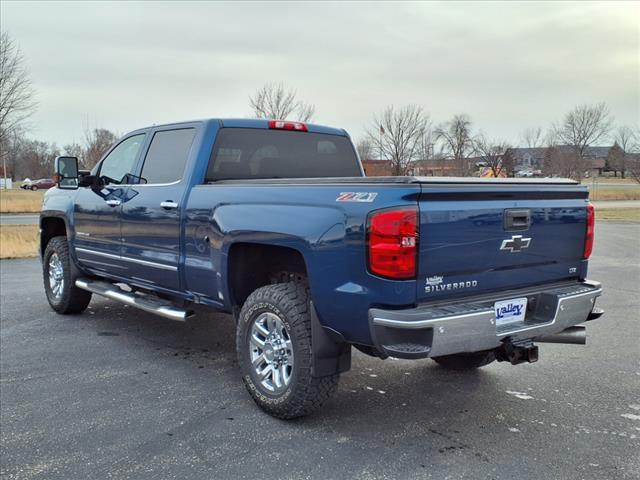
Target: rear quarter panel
(331,236)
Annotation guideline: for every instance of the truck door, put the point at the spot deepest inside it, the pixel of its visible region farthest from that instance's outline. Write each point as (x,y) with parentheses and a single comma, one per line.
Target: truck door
(97,239)
(151,216)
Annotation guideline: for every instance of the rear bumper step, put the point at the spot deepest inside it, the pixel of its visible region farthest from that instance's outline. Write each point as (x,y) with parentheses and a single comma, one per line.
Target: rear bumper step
(147,303)
(432,331)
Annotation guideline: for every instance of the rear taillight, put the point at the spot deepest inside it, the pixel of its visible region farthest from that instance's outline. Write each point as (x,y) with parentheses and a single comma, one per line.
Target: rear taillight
(284,125)
(588,237)
(393,243)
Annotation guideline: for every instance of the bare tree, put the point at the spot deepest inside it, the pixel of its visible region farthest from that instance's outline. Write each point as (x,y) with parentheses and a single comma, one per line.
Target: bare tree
(96,142)
(17,102)
(532,137)
(633,155)
(583,126)
(397,134)
(427,143)
(496,155)
(634,166)
(33,158)
(75,150)
(624,138)
(457,142)
(365,149)
(563,161)
(274,101)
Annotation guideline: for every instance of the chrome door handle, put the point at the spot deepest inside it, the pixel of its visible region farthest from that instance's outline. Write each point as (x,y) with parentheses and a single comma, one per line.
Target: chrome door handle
(169,204)
(114,203)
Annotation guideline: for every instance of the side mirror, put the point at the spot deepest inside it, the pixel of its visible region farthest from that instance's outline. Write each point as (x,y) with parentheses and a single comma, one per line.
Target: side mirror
(66,172)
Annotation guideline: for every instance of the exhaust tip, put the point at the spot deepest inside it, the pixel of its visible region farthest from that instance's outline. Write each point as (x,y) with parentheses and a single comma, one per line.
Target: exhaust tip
(576,335)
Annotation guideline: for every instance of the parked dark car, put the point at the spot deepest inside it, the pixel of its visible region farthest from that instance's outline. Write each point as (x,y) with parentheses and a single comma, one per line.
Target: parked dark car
(42,184)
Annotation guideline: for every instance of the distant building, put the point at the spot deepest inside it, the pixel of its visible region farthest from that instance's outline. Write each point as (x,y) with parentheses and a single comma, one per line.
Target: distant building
(434,167)
(419,168)
(377,168)
(528,159)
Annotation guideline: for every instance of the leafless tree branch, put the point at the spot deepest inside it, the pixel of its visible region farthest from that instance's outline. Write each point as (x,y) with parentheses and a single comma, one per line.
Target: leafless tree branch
(532,137)
(17,97)
(365,149)
(397,134)
(496,155)
(583,126)
(457,141)
(274,101)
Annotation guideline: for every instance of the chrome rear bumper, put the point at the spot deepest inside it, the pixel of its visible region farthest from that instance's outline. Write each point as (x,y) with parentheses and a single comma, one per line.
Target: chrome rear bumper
(470,326)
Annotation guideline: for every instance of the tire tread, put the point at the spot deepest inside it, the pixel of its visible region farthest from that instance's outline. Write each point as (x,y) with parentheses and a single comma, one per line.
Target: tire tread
(310,392)
(74,299)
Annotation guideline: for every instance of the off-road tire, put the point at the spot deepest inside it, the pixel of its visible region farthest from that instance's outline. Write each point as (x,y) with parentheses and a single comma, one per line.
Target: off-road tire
(305,393)
(465,361)
(72,299)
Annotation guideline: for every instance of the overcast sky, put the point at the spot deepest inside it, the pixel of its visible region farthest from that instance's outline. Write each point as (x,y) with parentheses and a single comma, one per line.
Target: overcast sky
(508,65)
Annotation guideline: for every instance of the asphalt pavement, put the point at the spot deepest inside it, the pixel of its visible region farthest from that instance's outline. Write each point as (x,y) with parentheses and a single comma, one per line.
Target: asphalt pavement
(118,393)
(20,219)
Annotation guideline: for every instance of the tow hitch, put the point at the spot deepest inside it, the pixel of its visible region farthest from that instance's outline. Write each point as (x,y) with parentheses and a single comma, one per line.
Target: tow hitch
(517,351)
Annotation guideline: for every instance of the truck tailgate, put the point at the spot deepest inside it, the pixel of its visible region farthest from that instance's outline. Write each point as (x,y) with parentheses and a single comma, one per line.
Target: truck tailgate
(483,237)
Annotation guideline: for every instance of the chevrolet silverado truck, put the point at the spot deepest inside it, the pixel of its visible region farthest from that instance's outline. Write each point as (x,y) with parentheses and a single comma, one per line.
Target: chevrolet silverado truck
(275,223)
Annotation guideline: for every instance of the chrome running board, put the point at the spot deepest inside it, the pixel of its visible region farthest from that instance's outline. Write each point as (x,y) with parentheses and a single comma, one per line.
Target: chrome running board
(148,303)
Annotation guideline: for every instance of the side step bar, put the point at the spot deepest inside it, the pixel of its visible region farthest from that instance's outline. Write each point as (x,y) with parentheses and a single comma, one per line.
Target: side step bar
(147,303)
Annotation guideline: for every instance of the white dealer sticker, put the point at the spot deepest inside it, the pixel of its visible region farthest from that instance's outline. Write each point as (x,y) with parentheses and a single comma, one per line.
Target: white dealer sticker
(510,311)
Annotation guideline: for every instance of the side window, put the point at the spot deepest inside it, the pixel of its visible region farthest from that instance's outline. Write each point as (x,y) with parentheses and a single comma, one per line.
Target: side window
(168,155)
(122,159)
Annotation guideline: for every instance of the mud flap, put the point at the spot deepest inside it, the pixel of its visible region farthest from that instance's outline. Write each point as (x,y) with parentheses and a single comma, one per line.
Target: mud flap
(331,354)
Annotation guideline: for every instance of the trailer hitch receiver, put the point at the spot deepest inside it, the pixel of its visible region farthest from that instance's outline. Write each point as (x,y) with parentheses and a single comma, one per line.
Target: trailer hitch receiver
(517,351)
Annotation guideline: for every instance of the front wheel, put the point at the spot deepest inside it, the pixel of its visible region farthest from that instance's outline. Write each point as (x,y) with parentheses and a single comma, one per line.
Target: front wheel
(466,361)
(59,282)
(273,342)
(34,188)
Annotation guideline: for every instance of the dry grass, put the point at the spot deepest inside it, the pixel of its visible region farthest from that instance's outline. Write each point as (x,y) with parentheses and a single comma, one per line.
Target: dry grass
(604,193)
(589,181)
(18,241)
(20,201)
(623,215)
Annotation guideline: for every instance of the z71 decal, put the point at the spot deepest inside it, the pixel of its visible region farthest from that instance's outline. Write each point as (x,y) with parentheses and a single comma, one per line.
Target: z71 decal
(356,197)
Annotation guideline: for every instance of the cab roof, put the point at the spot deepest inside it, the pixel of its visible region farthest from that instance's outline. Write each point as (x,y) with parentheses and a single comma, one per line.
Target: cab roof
(248,123)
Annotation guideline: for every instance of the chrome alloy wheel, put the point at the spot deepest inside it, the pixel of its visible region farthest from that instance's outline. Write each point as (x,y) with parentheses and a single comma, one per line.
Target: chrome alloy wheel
(271,352)
(56,275)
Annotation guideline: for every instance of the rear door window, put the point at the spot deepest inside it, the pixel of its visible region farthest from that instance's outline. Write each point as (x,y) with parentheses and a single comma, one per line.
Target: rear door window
(167,155)
(246,153)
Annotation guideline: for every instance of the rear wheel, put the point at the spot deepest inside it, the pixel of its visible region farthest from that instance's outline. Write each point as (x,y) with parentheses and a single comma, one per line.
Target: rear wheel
(274,352)
(59,281)
(466,361)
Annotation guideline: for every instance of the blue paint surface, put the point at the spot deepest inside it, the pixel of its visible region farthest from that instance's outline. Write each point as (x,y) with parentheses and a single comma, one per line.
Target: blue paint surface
(459,238)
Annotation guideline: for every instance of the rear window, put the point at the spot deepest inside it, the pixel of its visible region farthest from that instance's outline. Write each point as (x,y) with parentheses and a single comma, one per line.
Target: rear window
(168,155)
(249,153)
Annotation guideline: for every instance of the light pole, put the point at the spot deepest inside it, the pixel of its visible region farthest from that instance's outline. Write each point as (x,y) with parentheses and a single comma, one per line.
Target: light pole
(4,170)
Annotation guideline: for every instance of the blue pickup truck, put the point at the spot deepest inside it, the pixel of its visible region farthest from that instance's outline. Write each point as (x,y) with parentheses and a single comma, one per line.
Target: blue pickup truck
(276,223)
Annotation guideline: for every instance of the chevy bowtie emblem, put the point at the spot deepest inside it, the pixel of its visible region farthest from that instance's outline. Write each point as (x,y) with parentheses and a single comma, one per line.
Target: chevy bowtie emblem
(515,244)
